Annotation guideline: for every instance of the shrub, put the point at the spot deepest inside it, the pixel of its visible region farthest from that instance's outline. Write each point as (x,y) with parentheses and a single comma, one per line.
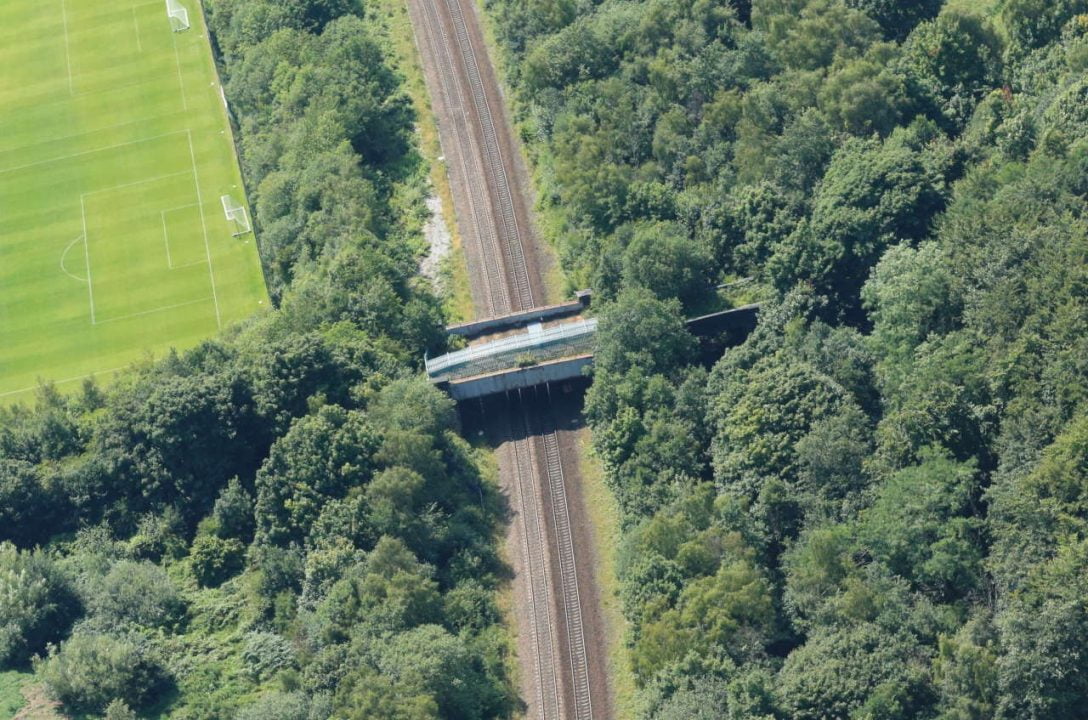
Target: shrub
(214,559)
(233,512)
(119,710)
(37,604)
(264,653)
(277,706)
(89,672)
(159,535)
(137,592)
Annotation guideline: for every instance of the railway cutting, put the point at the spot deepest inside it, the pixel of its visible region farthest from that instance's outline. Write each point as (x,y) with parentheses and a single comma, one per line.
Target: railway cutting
(560,638)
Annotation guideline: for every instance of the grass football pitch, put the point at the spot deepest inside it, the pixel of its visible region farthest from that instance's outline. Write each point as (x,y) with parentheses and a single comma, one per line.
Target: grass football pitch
(115,153)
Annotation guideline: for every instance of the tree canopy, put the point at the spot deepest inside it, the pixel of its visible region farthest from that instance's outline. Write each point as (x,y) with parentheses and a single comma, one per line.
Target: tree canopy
(282,522)
(888,470)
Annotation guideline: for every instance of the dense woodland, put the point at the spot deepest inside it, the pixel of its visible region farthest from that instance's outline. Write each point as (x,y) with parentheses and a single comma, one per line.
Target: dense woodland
(281,524)
(877,506)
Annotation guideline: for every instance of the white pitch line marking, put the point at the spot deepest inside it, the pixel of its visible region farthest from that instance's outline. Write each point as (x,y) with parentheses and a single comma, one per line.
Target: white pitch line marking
(164,308)
(207,248)
(181,81)
(67,49)
(122,186)
(166,239)
(64,381)
(141,121)
(87,258)
(136,22)
(89,152)
(64,254)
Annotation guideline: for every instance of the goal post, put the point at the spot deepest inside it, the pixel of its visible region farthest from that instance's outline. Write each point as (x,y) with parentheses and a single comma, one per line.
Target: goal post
(236,216)
(178,15)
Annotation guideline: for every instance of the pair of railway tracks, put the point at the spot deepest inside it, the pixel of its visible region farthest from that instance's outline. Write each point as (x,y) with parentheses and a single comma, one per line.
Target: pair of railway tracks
(496,242)
(536,449)
(501,242)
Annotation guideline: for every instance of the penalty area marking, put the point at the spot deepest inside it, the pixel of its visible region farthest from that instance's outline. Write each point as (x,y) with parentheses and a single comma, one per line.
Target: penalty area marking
(166,237)
(64,254)
(86,245)
(139,47)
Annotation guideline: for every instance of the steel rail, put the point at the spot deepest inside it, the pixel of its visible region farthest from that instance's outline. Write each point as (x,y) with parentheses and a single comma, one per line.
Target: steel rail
(496,290)
(494,160)
(568,570)
(535,548)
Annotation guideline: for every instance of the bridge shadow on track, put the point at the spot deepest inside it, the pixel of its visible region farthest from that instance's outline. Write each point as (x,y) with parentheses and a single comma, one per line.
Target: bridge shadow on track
(536,433)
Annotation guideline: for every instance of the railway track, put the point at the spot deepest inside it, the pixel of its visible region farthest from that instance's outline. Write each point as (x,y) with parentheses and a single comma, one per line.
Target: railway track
(568,572)
(539,470)
(518,269)
(464,147)
(499,246)
(539,586)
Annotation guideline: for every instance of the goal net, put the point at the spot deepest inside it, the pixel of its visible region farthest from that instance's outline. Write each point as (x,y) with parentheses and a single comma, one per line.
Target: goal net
(179,16)
(236,215)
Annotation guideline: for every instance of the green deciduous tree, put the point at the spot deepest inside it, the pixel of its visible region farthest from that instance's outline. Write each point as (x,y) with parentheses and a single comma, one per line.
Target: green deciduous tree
(662,258)
(858,672)
(873,195)
(921,526)
(25,504)
(729,612)
(135,592)
(320,459)
(639,330)
(898,17)
(88,672)
(391,590)
(37,604)
(1034,23)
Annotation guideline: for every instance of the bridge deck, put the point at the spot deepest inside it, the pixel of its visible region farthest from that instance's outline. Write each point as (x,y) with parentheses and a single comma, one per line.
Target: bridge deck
(537,344)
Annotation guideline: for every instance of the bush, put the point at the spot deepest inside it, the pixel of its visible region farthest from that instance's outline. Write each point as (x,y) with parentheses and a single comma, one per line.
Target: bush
(119,710)
(264,653)
(233,512)
(89,672)
(214,559)
(136,592)
(37,604)
(277,706)
(159,535)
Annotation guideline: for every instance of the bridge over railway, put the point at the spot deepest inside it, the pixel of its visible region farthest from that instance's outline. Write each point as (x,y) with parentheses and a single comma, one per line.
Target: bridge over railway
(546,345)
(522,346)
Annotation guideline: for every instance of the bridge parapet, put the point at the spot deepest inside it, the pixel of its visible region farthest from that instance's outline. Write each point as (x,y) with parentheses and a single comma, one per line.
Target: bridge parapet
(539,353)
(513,321)
(536,345)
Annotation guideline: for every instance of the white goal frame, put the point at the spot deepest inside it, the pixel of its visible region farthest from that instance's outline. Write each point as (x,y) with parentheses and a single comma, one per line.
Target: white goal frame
(178,15)
(237,215)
